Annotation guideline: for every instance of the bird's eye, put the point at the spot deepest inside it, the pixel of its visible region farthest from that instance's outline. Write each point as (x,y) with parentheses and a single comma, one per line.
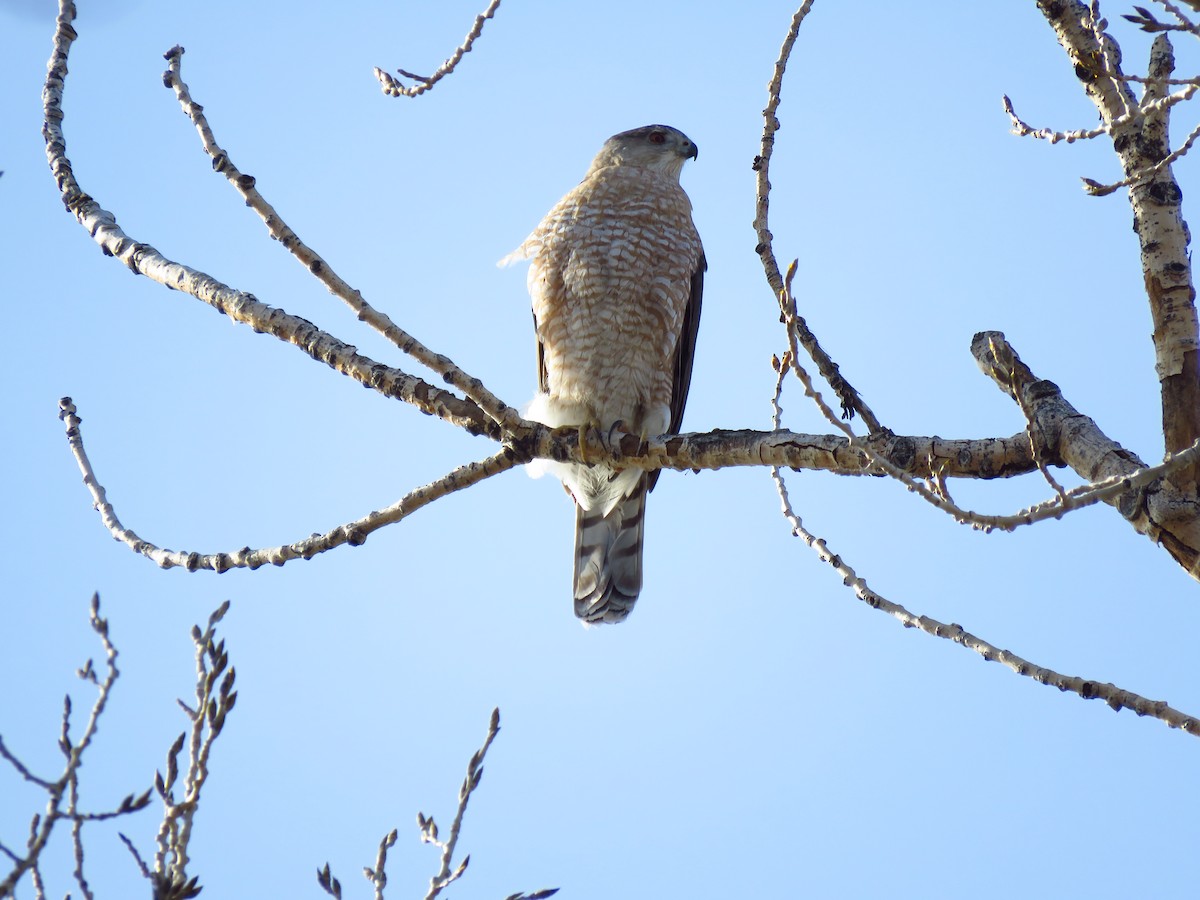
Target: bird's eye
(657,137)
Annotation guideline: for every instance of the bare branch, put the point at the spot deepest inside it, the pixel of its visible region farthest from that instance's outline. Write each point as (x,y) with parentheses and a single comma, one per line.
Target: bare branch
(1085,495)
(702,451)
(215,699)
(1157,510)
(1097,189)
(77,845)
(354,533)
(1149,106)
(1141,141)
(1021,129)
(137,857)
(1116,698)
(63,794)
(1148,23)
(849,397)
(718,449)
(378,875)
(393,88)
(493,406)
(762,163)
(474,772)
(240,306)
(429,834)
(21,769)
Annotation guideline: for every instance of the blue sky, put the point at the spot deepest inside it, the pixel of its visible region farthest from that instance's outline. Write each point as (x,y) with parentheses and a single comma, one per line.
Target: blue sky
(752,730)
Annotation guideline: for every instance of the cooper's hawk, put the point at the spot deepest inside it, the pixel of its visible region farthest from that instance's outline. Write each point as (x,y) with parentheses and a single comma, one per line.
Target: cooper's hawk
(616,279)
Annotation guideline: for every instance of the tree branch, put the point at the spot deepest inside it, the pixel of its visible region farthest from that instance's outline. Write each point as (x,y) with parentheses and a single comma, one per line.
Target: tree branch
(1117,698)
(354,533)
(849,397)
(445,876)
(429,835)
(1140,139)
(240,306)
(393,88)
(1156,509)
(933,489)
(63,794)
(498,411)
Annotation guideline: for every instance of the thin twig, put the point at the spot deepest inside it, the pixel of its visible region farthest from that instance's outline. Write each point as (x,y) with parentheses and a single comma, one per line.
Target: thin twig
(850,400)
(1146,21)
(444,875)
(1096,189)
(1021,129)
(1109,57)
(393,88)
(137,857)
(378,875)
(215,699)
(21,769)
(77,841)
(762,163)
(63,794)
(429,835)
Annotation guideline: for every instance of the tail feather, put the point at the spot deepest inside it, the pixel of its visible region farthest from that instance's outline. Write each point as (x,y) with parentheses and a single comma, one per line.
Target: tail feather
(608,558)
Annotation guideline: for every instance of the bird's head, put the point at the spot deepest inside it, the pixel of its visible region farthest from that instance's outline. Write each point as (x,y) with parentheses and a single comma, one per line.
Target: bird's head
(657,147)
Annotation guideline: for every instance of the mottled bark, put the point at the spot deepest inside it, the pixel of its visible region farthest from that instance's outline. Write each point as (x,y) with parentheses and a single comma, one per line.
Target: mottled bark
(1140,139)
(1158,510)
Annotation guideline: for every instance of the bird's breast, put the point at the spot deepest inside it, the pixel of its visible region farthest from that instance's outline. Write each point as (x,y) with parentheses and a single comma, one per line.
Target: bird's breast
(610,281)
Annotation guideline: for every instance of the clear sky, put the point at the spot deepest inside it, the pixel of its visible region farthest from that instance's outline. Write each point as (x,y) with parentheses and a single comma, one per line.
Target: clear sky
(752,730)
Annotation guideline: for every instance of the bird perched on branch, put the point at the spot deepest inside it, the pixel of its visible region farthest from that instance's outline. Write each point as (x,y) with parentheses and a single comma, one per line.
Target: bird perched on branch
(616,279)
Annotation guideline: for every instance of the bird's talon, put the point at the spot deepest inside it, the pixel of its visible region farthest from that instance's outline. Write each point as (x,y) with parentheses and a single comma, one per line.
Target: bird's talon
(612,442)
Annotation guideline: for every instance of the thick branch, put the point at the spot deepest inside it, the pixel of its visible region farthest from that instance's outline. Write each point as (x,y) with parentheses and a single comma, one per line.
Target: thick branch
(1141,142)
(1157,510)
(920,456)
(1166,266)
(924,457)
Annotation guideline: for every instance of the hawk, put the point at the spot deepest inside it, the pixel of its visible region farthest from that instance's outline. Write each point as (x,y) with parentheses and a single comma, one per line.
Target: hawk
(616,277)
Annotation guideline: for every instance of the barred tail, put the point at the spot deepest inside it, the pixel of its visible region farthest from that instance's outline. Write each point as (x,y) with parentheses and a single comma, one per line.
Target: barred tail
(608,558)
